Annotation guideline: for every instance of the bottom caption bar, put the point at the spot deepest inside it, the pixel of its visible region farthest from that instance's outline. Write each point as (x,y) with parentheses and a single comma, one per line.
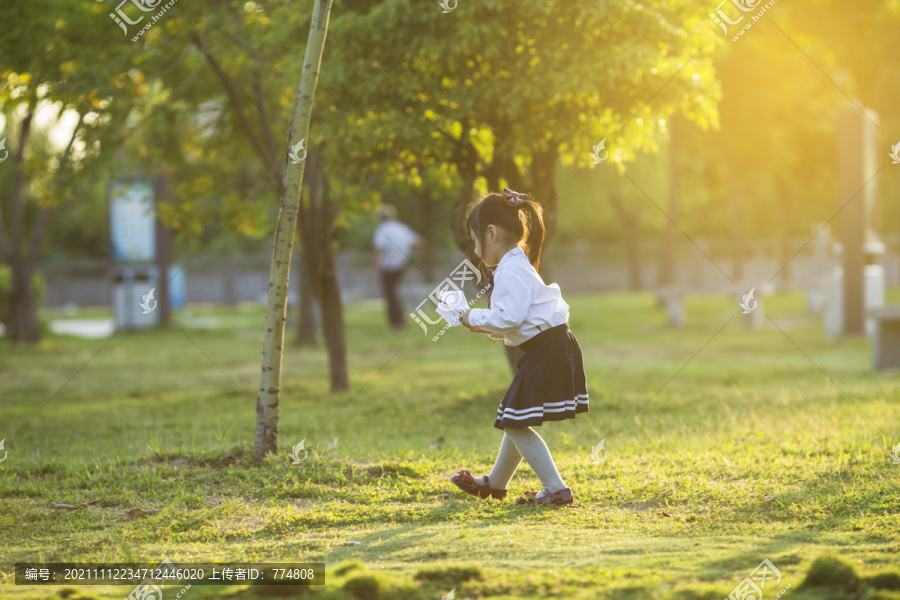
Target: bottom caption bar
(150,577)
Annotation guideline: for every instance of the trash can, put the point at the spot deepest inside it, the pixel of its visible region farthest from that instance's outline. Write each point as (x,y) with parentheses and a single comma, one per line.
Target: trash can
(135,297)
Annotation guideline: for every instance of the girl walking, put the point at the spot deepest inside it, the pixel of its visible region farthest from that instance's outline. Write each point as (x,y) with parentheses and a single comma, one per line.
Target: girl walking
(523,311)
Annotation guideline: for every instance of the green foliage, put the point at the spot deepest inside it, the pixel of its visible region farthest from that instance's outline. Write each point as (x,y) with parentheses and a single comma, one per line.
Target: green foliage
(205,97)
(523,75)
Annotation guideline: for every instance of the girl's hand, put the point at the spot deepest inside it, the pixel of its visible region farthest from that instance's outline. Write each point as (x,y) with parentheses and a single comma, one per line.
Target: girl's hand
(464,319)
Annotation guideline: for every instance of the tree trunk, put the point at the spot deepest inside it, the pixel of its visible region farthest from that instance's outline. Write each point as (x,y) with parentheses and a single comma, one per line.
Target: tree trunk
(331,306)
(669,250)
(784,275)
(630,224)
(316,217)
(163,253)
(23,325)
(737,229)
(506,168)
(635,274)
(269,394)
(306,324)
(23,321)
(503,164)
(426,205)
(466,159)
(228,267)
(543,180)
(737,242)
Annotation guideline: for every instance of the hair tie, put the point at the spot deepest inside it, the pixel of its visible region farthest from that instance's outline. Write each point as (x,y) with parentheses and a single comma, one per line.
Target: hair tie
(513,198)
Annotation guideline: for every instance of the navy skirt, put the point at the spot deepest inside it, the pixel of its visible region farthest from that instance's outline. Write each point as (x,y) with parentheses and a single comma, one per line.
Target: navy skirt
(549,384)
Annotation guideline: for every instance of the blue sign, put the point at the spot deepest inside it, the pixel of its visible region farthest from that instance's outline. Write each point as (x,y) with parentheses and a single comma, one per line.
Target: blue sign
(132,222)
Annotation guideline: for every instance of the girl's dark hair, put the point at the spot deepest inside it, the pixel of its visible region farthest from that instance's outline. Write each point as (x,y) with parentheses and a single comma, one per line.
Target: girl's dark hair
(524,222)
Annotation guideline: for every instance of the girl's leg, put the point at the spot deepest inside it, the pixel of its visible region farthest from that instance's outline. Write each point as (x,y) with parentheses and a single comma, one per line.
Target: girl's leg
(508,461)
(535,451)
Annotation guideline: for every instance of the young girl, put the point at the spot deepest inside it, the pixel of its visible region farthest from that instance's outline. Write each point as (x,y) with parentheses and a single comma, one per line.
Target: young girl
(522,310)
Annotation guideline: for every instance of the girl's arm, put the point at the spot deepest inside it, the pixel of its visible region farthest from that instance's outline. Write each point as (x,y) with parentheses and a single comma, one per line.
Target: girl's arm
(464,319)
(510,301)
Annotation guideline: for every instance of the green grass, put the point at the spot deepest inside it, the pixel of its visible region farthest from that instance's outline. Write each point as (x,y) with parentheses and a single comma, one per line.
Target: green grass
(726,446)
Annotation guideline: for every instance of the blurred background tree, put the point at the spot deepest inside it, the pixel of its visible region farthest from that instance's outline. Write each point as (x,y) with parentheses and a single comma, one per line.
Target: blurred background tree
(64,104)
(427,109)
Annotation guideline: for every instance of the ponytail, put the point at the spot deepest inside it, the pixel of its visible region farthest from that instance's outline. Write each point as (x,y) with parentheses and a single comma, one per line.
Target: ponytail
(534,231)
(518,215)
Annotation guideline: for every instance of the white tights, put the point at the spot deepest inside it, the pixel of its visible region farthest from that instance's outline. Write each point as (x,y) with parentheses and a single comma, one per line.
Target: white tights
(528,444)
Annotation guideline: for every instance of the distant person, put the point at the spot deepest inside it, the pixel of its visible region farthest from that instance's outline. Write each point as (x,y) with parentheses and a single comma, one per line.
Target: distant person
(393,242)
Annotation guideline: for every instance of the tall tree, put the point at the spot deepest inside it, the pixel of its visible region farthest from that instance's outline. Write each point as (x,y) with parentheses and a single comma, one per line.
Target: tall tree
(505,100)
(316,216)
(75,77)
(244,47)
(269,394)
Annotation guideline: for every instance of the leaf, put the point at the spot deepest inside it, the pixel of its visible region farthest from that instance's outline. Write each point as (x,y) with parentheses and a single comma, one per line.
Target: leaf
(140,512)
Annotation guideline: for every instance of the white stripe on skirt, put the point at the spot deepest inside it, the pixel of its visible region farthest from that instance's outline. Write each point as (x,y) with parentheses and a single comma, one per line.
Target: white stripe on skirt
(538,411)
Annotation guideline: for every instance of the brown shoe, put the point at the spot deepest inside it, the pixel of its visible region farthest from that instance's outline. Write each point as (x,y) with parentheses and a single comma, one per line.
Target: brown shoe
(563,496)
(466,482)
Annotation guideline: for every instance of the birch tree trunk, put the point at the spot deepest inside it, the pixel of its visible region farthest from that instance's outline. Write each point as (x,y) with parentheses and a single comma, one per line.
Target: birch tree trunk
(269,393)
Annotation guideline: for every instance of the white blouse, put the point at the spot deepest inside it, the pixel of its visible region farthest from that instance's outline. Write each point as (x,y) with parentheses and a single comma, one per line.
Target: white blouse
(522,305)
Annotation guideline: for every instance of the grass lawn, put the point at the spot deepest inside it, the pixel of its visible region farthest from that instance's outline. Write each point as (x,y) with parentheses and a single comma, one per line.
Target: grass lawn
(726,446)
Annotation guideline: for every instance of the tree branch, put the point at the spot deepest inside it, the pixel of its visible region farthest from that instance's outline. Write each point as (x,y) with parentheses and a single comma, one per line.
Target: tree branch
(233,98)
(37,232)
(15,249)
(264,124)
